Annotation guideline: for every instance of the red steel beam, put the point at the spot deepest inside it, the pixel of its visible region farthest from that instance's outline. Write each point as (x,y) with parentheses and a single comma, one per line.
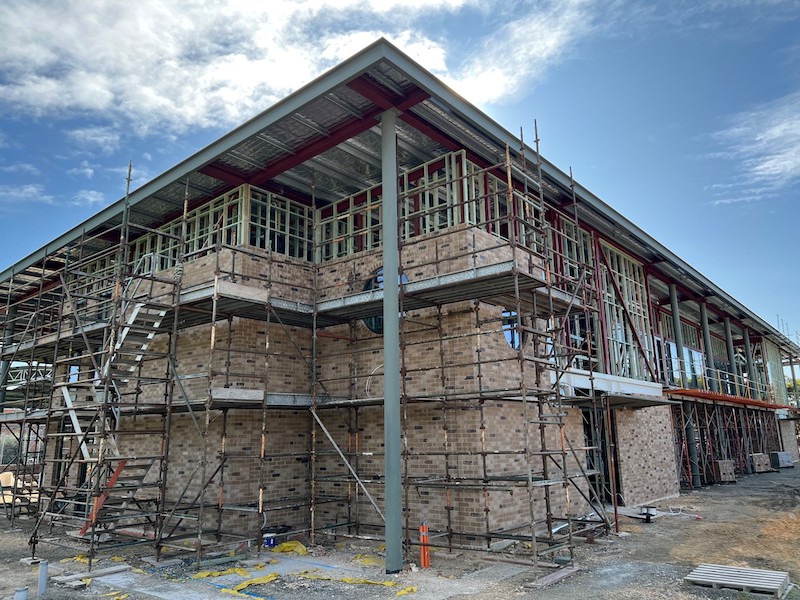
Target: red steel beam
(100,500)
(225,174)
(334,138)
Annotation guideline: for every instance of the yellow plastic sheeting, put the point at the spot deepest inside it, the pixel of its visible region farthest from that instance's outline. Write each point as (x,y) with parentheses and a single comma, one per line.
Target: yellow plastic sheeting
(353,580)
(231,571)
(409,590)
(369,560)
(257,581)
(292,546)
(81,558)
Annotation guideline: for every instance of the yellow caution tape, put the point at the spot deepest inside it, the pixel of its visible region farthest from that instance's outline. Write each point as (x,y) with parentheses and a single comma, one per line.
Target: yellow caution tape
(257,581)
(409,590)
(291,546)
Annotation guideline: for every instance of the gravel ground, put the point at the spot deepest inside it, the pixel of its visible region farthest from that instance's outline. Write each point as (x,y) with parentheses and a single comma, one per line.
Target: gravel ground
(754,523)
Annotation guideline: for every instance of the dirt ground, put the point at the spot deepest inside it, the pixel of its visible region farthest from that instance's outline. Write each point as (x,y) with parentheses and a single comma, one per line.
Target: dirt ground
(753,523)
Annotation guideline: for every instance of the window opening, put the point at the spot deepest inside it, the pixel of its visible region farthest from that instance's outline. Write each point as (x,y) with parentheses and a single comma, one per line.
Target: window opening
(515,338)
(375,324)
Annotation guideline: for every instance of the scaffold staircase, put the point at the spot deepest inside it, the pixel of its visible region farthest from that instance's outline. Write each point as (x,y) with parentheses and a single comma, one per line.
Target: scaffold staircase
(141,326)
(94,409)
(103,489)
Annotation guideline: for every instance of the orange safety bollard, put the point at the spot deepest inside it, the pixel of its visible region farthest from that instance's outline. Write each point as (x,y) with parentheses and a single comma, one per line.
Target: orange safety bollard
(424,548)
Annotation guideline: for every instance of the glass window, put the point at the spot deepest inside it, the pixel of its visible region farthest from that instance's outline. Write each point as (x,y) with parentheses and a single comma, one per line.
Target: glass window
(375,324)
(514,337)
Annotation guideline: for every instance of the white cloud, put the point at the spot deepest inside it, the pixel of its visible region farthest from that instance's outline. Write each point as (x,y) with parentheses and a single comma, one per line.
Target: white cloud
(21,168)
(168,66)
(764,143)
(523,49)
(139,176)
(88,198)
(85,169)
(184,63)
(16,196)
(105,139)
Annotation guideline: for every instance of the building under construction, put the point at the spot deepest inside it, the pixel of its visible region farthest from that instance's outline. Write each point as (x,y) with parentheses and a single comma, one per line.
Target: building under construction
(253,344)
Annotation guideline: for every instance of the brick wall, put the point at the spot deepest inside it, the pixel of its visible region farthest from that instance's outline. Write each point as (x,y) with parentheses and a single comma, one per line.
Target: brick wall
(240,360)
(286,469)
(645,450)
(460,248)
(477,450)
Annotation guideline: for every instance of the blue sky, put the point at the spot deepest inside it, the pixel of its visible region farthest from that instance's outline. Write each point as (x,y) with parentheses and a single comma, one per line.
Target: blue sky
(682,115)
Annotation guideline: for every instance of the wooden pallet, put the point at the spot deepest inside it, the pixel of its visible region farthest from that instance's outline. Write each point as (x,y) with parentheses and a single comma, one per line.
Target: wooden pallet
(760,581)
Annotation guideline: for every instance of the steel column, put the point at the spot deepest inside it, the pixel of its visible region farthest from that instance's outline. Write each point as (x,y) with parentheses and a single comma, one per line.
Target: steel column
(393,504)
(731,356)
(691,436)
(711,372)
(678,333)
(752,376)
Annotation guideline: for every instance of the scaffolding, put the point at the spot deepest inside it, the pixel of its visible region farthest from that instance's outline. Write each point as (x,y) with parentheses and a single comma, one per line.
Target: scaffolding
(725,431)
(457,326)
(498,300)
